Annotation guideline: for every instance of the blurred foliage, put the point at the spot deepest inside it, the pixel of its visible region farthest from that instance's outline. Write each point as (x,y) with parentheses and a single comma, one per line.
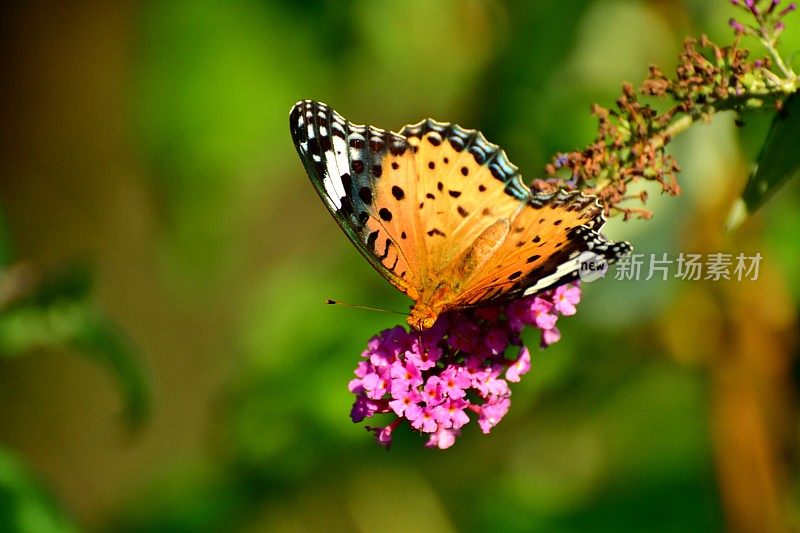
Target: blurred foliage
(5,242)
(215,255)
(55,311)
(779,160)
(24,505)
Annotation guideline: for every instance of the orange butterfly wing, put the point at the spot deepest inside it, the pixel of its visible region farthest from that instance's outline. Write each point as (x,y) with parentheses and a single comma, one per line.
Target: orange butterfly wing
(442,213)
(541,249)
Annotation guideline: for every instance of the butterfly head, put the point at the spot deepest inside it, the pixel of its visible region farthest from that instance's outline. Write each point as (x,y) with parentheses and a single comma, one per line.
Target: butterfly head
(422,317)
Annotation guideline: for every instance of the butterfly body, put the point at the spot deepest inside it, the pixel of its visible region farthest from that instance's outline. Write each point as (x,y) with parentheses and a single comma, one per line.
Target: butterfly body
(436,299)
(441,212)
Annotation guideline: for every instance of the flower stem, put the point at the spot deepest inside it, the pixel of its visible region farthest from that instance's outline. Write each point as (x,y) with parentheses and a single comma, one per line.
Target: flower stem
(790,82)
(679,126)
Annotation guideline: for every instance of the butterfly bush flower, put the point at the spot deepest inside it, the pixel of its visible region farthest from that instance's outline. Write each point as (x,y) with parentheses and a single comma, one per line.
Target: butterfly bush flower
(437,380)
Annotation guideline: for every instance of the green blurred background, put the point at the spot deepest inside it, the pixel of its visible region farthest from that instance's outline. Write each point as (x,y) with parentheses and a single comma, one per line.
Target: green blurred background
(154,217)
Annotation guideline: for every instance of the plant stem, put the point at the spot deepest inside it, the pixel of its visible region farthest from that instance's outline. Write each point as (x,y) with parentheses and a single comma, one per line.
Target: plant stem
(680,125)
(788,74)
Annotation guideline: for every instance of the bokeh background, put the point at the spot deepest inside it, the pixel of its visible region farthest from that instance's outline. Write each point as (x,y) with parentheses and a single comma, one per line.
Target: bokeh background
(166,362)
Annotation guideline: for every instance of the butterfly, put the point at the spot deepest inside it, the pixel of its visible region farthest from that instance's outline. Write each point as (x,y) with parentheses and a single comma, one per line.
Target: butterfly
(442,214)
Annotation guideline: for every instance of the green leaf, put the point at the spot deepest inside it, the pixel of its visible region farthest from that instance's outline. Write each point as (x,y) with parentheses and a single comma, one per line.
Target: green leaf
(24,505)
(48,313)
(58,313)
(103,341)
(28,327)
(778,162)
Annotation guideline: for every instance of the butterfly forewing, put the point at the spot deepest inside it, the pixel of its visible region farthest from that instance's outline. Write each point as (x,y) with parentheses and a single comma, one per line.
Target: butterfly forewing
(349,165)
(465,184)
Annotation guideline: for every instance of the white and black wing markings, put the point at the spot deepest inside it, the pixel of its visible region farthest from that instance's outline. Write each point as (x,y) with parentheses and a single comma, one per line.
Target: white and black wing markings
(567,269)
(344,161)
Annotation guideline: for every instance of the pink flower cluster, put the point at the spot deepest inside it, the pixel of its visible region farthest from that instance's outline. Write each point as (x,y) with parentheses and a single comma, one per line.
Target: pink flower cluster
(435,378)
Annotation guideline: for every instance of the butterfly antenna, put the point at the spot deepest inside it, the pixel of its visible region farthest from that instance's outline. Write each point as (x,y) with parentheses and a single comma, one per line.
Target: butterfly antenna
(354,306)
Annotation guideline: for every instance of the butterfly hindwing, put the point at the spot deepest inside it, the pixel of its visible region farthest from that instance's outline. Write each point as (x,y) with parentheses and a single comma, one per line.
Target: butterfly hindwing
(568,270)
(543,249)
